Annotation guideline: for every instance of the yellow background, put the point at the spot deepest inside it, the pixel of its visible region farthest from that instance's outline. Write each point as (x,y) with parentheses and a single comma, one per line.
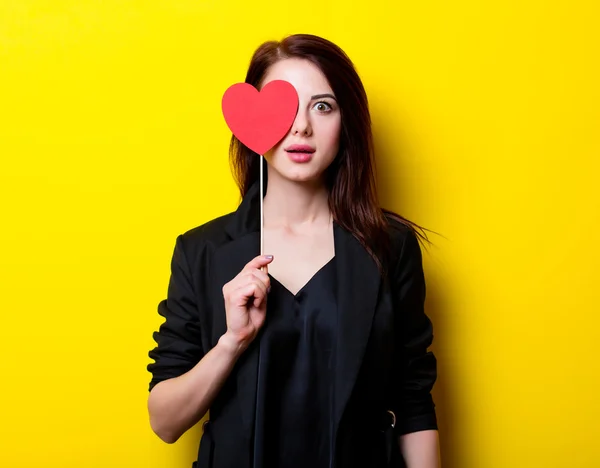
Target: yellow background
(486,118)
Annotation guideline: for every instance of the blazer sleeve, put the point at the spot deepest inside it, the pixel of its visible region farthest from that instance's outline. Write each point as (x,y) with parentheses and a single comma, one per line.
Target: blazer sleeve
(416,367)
(178,344)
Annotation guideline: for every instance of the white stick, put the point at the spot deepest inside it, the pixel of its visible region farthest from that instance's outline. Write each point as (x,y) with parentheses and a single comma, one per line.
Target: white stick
(262,219)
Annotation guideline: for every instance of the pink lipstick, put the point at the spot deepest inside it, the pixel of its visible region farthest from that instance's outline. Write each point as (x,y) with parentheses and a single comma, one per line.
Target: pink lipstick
(300,153)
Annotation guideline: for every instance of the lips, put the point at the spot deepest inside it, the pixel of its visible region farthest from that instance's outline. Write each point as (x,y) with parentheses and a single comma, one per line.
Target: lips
(306,149)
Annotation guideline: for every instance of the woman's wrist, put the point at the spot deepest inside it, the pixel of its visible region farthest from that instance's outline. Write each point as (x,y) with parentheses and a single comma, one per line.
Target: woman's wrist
(232,344)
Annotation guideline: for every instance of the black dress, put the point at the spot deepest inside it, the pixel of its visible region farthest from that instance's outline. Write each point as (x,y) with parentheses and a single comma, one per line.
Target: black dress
(294,394)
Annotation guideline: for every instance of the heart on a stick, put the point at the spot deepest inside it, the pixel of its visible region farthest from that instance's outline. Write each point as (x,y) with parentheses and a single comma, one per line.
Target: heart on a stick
(260,119)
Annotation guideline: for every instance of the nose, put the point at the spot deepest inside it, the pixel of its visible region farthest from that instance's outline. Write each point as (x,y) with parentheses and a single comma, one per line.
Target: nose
(302,125)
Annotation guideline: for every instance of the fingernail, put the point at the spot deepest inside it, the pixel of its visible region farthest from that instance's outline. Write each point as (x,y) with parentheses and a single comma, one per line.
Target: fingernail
(269,257)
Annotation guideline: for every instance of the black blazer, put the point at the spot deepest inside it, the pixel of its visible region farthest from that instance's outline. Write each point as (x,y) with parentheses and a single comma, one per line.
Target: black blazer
(382,353)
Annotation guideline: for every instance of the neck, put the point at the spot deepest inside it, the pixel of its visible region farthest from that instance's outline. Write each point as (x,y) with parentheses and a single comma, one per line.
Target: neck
(295,205)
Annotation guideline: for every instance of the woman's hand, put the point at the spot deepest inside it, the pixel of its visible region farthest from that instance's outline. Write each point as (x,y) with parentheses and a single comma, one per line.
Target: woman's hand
(246,301)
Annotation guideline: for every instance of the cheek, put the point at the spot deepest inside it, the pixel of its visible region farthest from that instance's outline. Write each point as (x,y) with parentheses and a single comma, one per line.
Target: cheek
(330,133)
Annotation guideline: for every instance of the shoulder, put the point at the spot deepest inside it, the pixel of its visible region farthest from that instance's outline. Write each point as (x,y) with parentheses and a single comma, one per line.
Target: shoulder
(404,241)
(210,234)
(400,233)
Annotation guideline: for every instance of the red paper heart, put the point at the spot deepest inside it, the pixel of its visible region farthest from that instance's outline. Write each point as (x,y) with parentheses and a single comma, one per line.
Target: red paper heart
(260,119)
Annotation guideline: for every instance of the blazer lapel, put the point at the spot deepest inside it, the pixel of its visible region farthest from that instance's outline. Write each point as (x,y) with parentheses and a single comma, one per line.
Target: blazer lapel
(358,281)
(357,291)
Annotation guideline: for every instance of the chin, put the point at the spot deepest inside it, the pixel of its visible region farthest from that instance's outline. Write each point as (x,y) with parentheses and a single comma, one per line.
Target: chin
(303,174)
(302,177)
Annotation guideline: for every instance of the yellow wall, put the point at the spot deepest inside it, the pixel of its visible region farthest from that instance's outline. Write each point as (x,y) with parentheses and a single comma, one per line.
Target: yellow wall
(112,142)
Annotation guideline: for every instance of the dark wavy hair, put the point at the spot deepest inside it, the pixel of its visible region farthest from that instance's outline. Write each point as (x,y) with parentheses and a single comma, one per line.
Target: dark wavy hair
(350,178)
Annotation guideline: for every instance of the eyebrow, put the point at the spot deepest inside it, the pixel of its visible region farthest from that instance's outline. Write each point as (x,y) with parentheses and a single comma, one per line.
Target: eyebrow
(319,96)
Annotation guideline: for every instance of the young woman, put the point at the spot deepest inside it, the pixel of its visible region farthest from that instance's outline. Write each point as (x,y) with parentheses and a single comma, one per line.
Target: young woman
(317,354)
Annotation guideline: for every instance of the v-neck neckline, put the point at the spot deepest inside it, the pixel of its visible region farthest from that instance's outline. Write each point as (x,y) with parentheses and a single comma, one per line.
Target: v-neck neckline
(310,280)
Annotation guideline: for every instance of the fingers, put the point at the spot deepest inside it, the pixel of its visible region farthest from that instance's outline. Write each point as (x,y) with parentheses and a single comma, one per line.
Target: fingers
(258,267)
(262,276)
(250,274)
(255,289)
(246,276)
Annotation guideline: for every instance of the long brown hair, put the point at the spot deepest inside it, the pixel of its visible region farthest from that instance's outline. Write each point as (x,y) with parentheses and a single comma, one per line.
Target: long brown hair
(350,178)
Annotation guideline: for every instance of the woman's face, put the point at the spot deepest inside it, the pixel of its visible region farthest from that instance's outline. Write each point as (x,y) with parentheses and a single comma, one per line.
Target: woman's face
(312,142)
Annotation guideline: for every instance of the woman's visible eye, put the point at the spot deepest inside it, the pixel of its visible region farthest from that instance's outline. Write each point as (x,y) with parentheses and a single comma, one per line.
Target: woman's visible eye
(323,106)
